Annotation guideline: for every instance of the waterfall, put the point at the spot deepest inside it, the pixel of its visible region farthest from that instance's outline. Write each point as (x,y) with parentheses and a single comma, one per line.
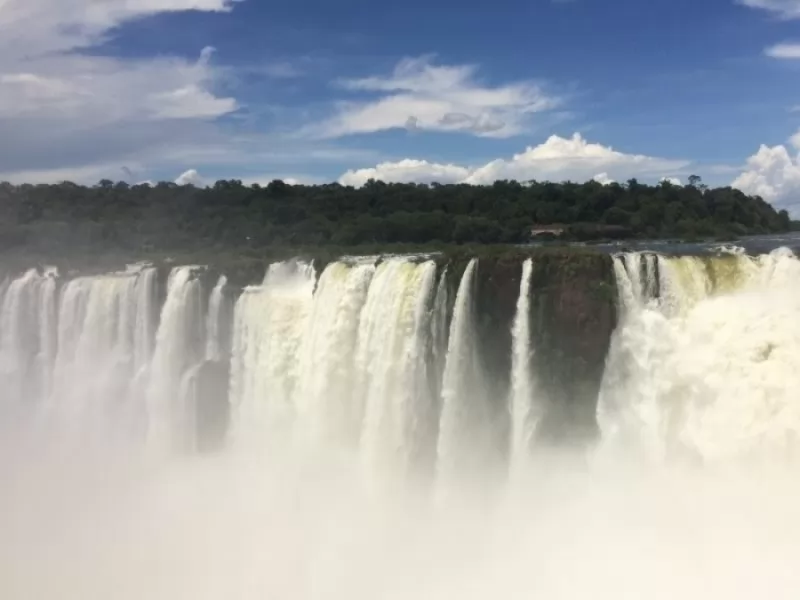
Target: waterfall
(330,410)
(391,366)
(177,349)
(706,370)
(465,447)
(269,325)
(637,279)
(340,363)
(27,342)
(96,350)
(439,337)
(378,358)
(215,346)
(189,397)
(146,314)
(524,415)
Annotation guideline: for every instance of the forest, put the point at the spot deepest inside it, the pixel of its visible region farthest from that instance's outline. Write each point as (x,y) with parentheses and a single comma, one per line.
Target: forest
(232,216)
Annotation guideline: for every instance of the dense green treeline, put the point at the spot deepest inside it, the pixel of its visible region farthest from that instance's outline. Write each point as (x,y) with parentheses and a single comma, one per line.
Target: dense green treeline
(168,217)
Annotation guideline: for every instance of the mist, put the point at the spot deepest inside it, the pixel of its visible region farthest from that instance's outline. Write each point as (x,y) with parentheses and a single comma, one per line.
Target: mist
(97,526)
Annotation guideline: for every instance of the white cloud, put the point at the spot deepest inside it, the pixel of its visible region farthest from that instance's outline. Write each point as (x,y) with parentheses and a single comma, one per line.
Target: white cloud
(190,177)
(672,180)
(87,175)
(774,174)
(86,92)
(33,28)
(603,179)
(407,171)
(420,95)
(281,70)
(786,9)
(190,102)
(557,159)
(74,111)
(788,51)
(264,179)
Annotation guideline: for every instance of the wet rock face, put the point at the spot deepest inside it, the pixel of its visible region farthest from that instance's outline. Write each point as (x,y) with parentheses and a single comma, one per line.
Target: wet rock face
(497,292)
(496,304)
(573,318)
(573,315)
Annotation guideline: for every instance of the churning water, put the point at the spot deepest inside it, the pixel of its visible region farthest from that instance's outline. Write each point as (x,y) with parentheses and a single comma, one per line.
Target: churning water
(363,458)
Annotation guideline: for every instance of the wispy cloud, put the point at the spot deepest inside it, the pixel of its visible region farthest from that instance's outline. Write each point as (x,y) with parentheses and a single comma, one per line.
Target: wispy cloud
(39,27)
(447,98)
(786,51)
(80,174)
(67,109)
(282,70)
(785,9)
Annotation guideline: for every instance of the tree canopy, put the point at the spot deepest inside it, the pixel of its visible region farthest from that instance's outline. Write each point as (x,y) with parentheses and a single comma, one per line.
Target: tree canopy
(169,217)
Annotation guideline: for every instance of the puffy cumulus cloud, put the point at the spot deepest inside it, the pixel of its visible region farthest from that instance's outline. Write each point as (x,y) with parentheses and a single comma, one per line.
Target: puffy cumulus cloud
(421,95)
(603,179)
(774,174)
(68,110)
(672,180)
(787,9)
(557,159)
(787,51)
(407,171)
(560,159)
(266,179)
(190,177)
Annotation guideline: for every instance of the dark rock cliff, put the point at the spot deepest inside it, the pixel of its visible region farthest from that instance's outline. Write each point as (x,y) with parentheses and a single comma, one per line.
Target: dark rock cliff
(574,315)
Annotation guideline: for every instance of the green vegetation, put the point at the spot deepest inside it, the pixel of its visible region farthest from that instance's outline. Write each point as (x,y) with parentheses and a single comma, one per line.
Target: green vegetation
(116,217)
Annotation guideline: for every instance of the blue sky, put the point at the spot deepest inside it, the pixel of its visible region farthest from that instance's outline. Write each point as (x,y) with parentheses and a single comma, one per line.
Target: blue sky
(312,91)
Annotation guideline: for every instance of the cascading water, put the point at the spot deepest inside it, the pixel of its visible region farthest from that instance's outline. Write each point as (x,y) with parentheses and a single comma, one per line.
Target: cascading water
(269,325)
(524,415)
(363,357)
(465,447)
(391,364)
(178,348)
(105,338)
(329,410)
(705,369)
(340,363)
(439,333)
(146,315)
(215,321)
(27,346)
